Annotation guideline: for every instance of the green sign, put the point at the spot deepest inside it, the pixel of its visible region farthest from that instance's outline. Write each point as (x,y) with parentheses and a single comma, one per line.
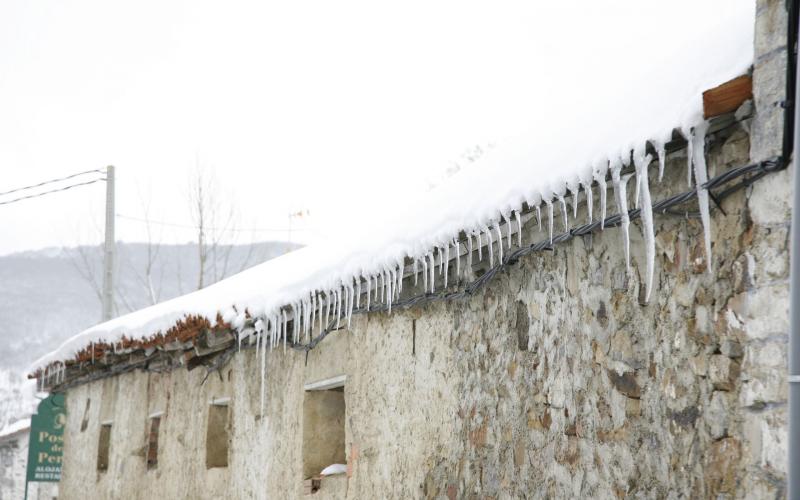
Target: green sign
(46,440)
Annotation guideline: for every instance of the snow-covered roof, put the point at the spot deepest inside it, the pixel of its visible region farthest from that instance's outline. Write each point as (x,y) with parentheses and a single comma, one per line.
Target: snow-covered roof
(572,142)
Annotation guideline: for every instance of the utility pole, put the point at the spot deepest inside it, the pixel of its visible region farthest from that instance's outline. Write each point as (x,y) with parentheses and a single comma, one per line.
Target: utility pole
(109,249)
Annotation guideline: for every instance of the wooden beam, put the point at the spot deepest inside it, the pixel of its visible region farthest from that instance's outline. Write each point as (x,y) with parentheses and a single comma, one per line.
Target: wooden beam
(727,97)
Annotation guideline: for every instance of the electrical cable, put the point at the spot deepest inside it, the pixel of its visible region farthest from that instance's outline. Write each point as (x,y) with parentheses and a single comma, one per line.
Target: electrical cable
(21,198)
(52,181)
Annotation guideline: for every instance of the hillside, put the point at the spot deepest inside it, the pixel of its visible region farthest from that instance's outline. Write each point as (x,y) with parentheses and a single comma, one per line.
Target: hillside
(46,296)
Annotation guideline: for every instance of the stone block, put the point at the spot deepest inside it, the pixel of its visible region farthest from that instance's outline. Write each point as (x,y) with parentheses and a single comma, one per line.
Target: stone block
(723,372)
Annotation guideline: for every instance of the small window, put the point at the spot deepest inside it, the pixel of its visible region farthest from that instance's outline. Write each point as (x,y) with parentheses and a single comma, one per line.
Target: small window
(103,448)
(217,437)
(323,426)
(152,443)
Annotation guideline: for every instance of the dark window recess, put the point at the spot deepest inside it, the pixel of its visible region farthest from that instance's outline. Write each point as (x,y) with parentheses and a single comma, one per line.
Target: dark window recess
(152,443)
(217,436)
(323,430)
(103,448)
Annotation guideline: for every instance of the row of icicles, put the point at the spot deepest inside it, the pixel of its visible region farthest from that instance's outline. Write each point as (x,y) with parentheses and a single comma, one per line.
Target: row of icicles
(329,308)
(324,309)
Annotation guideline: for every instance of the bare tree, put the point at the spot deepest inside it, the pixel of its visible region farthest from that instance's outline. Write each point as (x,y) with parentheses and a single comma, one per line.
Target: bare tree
(152,248)
(215,223)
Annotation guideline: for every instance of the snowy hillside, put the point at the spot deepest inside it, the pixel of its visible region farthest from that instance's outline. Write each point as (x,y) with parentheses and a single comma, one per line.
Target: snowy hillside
(45,297)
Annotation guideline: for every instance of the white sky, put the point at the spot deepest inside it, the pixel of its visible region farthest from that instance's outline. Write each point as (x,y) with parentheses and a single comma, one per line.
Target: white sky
(338,108)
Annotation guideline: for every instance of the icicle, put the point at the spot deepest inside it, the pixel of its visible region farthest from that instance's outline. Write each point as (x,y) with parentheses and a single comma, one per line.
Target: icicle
(416,271)
(358,292)
(508,227)
(499,242)
(469,251)
(284,328)
(701,177)
(689,155)
(368,290)
(313,313)
(338,306)
(480,247)
(457,248)
(638,180)
(377,288)
(489,243)
(662,156)
(574,189)
(587,188)
(401,269)
(600,177)
(350,308)
(446,262)
(263,376)
(389,292)
(432,268)
(550,217)
(539,217)
(295,319)
(424,261)
(648,232)
(329,303)
(519,228)
(620,192)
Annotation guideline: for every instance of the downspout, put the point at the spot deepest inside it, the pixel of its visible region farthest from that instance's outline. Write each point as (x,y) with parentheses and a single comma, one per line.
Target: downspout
(792,133)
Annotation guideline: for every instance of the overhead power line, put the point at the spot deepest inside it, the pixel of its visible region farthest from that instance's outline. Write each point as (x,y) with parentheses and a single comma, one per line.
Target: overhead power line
(51,182)
(51,191)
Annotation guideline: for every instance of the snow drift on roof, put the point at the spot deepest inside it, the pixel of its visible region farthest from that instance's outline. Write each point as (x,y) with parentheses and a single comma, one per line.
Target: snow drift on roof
(606,88)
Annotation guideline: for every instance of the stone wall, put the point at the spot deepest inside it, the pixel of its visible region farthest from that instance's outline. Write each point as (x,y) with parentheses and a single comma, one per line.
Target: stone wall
(553,381)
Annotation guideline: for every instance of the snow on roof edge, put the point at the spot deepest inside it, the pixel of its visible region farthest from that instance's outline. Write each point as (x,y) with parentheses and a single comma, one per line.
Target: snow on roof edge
(291,278)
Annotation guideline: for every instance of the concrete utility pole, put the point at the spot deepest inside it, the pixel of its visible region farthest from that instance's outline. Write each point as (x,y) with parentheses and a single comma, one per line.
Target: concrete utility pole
(109,249)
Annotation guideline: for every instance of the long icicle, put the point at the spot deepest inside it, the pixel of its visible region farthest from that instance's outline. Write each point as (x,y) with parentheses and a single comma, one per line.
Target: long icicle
(432,269)
(688,134)
(499,243)
(401,269)
(701,177)
(519,228)
(424,261)
(368,283)
(446,262)
(602,186)
(508,227)
(648,231)
(539,217)
(550,218)
(263,377)
(480,246)
(489,243)
(457,247)
(469,251)
(574,189)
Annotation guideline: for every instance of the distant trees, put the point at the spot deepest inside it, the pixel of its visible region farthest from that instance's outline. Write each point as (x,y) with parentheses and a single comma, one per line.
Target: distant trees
(214,221)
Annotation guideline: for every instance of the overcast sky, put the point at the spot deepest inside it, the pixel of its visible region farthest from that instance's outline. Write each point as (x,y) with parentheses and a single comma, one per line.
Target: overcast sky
(338,108)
